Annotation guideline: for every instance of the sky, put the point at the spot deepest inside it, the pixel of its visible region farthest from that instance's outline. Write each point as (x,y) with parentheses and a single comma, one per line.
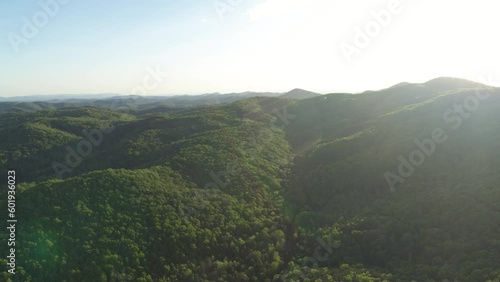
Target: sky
(173,47)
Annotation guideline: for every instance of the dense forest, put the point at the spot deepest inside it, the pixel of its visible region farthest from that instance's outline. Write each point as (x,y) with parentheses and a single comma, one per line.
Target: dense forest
(399,184)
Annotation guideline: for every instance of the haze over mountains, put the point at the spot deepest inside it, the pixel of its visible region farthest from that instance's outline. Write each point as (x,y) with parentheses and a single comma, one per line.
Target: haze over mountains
(137,102)
(399,184)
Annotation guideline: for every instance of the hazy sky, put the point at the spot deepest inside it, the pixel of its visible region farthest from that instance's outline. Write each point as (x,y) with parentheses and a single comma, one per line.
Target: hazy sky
(201,46)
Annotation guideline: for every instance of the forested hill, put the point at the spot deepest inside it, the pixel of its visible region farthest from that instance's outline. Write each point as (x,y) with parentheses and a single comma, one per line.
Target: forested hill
(408,175)
(399,184)
(185,197)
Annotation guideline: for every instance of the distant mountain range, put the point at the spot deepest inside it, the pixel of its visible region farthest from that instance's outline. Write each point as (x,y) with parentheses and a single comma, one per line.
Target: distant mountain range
(143,103)
(137,102)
